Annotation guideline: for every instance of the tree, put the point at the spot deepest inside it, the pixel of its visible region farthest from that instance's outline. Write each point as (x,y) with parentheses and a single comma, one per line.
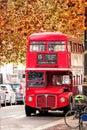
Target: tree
(20,18)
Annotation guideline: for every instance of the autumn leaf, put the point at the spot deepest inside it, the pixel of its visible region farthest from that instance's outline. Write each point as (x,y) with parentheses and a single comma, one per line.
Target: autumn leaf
(20,18)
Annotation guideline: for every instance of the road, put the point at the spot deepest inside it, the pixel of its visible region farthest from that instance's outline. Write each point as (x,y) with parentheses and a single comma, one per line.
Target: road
(14,118)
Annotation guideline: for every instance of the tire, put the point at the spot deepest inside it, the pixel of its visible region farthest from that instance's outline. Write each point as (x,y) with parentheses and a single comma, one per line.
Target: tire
(71,119)
(67,108)
(27,110)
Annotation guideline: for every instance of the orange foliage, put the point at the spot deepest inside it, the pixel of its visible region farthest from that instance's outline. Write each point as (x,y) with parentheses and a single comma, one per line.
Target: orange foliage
(20,18)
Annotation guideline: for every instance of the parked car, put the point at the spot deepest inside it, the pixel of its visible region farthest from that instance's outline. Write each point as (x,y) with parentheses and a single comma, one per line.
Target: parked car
(10,96)
(2,97)
(19,91)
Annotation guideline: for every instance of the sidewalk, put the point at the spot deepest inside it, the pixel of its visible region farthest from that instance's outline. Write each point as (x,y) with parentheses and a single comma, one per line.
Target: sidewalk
(64,127)
(58,125)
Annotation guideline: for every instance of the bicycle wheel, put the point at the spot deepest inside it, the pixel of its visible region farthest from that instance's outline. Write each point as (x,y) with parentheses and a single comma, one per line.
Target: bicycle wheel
(71,119)
(80,125)
(85,109)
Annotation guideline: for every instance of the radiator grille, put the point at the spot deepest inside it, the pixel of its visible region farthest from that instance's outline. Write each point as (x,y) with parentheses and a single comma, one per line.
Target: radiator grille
(46,101)
(51,101)
(41,101)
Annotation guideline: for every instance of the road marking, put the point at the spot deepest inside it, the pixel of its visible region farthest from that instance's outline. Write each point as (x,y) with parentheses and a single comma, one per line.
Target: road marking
(13,116)
(21,116)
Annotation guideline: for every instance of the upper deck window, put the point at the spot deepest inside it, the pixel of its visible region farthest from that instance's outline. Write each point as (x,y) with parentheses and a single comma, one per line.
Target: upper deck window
(57,46)
(37,46)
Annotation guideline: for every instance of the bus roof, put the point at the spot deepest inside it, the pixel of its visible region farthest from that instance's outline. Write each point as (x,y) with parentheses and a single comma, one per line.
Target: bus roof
(53,36)
(48,36)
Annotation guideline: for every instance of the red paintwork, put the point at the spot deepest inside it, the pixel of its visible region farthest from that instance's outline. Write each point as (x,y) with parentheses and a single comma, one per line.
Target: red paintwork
(63,62)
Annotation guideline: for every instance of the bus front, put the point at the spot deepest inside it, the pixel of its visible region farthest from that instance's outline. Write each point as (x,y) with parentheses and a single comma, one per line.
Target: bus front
(48,78)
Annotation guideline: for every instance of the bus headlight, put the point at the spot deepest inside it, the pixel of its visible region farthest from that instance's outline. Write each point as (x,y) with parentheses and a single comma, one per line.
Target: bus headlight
(62,99)
(30,99)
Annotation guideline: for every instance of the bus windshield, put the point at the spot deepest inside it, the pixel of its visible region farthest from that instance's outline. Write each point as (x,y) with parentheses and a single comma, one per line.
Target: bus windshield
(60,80)
(36,79)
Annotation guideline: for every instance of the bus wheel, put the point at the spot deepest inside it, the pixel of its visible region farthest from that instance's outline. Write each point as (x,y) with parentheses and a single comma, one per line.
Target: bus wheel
(67,108)
(27,110)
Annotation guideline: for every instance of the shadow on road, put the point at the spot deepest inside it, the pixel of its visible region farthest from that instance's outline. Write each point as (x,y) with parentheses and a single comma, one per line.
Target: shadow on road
(49,114)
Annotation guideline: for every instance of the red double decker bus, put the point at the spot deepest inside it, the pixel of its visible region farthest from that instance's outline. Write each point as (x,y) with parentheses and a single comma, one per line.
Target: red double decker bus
(54,72)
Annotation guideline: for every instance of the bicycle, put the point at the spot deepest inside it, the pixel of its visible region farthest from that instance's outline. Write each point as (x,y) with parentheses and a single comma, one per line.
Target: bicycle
(74,118)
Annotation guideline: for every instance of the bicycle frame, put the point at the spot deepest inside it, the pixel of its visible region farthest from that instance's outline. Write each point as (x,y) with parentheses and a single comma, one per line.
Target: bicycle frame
(77,116)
